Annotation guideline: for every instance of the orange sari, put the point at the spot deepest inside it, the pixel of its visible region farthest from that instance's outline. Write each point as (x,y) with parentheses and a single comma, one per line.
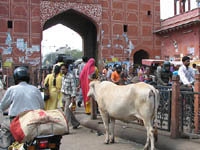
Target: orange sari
(88,69)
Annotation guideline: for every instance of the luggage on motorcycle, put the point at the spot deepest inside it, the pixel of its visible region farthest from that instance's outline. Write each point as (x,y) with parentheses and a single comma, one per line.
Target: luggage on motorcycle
(28,125)
(16,146)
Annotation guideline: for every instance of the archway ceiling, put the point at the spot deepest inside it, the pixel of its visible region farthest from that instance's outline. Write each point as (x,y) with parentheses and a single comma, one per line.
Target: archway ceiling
(71,19)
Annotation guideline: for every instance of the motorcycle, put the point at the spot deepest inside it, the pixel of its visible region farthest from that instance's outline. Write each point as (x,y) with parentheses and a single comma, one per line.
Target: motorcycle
(42,142)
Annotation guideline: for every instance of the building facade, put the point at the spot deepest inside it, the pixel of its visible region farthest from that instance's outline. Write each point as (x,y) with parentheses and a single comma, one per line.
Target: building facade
(180,34)
(112,30)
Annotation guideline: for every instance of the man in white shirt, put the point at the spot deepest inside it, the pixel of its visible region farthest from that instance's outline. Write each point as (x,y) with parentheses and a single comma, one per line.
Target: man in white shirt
(22,96)
(186,73)
(19,98)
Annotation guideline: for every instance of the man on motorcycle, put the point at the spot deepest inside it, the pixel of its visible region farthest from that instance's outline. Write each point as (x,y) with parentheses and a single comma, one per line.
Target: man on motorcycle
(22,96)
(164,75)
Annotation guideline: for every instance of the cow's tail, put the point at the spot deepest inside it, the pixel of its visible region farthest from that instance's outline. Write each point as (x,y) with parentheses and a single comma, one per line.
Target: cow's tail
(156,104)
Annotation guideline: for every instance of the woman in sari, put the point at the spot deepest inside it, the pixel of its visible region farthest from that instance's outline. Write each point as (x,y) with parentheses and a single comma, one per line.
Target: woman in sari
(141,74)
(53,81)
(88,73)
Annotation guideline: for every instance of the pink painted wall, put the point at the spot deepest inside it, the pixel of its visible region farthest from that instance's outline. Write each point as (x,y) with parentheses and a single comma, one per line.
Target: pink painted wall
(184,29)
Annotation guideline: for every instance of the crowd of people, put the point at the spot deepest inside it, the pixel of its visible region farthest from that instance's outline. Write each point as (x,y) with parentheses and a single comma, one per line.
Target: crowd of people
(184,70)
(117,74)
(157,74)
(68,87)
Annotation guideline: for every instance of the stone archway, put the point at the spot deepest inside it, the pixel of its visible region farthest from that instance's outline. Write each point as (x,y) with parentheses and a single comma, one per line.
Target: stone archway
(85,19)
(139,55)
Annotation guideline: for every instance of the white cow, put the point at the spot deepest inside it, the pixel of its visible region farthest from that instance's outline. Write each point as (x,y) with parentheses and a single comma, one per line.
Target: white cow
(125,102)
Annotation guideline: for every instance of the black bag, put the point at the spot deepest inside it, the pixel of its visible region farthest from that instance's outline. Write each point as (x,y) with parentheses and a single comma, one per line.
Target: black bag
(46,91)
(46,96)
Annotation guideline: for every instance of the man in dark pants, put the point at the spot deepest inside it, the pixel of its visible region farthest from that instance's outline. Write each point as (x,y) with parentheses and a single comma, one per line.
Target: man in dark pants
(68,95)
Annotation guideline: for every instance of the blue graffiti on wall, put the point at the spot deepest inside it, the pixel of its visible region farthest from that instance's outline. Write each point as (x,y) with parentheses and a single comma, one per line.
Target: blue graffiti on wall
(8,43)
(22,46)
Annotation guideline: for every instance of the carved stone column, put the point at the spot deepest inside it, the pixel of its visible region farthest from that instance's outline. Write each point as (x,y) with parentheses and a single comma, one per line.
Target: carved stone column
(196,103)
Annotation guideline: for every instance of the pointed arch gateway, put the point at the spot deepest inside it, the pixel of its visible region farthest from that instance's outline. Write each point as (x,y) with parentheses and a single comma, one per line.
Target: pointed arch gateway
(82,18)
(139,55)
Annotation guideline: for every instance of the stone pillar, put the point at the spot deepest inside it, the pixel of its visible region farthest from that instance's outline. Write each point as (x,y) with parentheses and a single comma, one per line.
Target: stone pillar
(196,103)
(175,110)
(93,106)
(183,6)
(189,4)
(175,7)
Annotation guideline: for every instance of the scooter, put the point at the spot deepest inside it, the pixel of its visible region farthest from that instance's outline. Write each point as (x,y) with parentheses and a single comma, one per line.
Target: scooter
(42,142)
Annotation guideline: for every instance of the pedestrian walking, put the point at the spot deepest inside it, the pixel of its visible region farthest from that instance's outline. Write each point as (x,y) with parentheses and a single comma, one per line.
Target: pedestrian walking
(88,73)
(80,68)
(68,95)
(53,81)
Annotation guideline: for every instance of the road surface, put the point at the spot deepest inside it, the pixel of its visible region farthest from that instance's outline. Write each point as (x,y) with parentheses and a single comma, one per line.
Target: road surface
(86,139)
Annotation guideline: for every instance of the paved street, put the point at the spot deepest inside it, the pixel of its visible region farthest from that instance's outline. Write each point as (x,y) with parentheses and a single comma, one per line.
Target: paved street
(86,139)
